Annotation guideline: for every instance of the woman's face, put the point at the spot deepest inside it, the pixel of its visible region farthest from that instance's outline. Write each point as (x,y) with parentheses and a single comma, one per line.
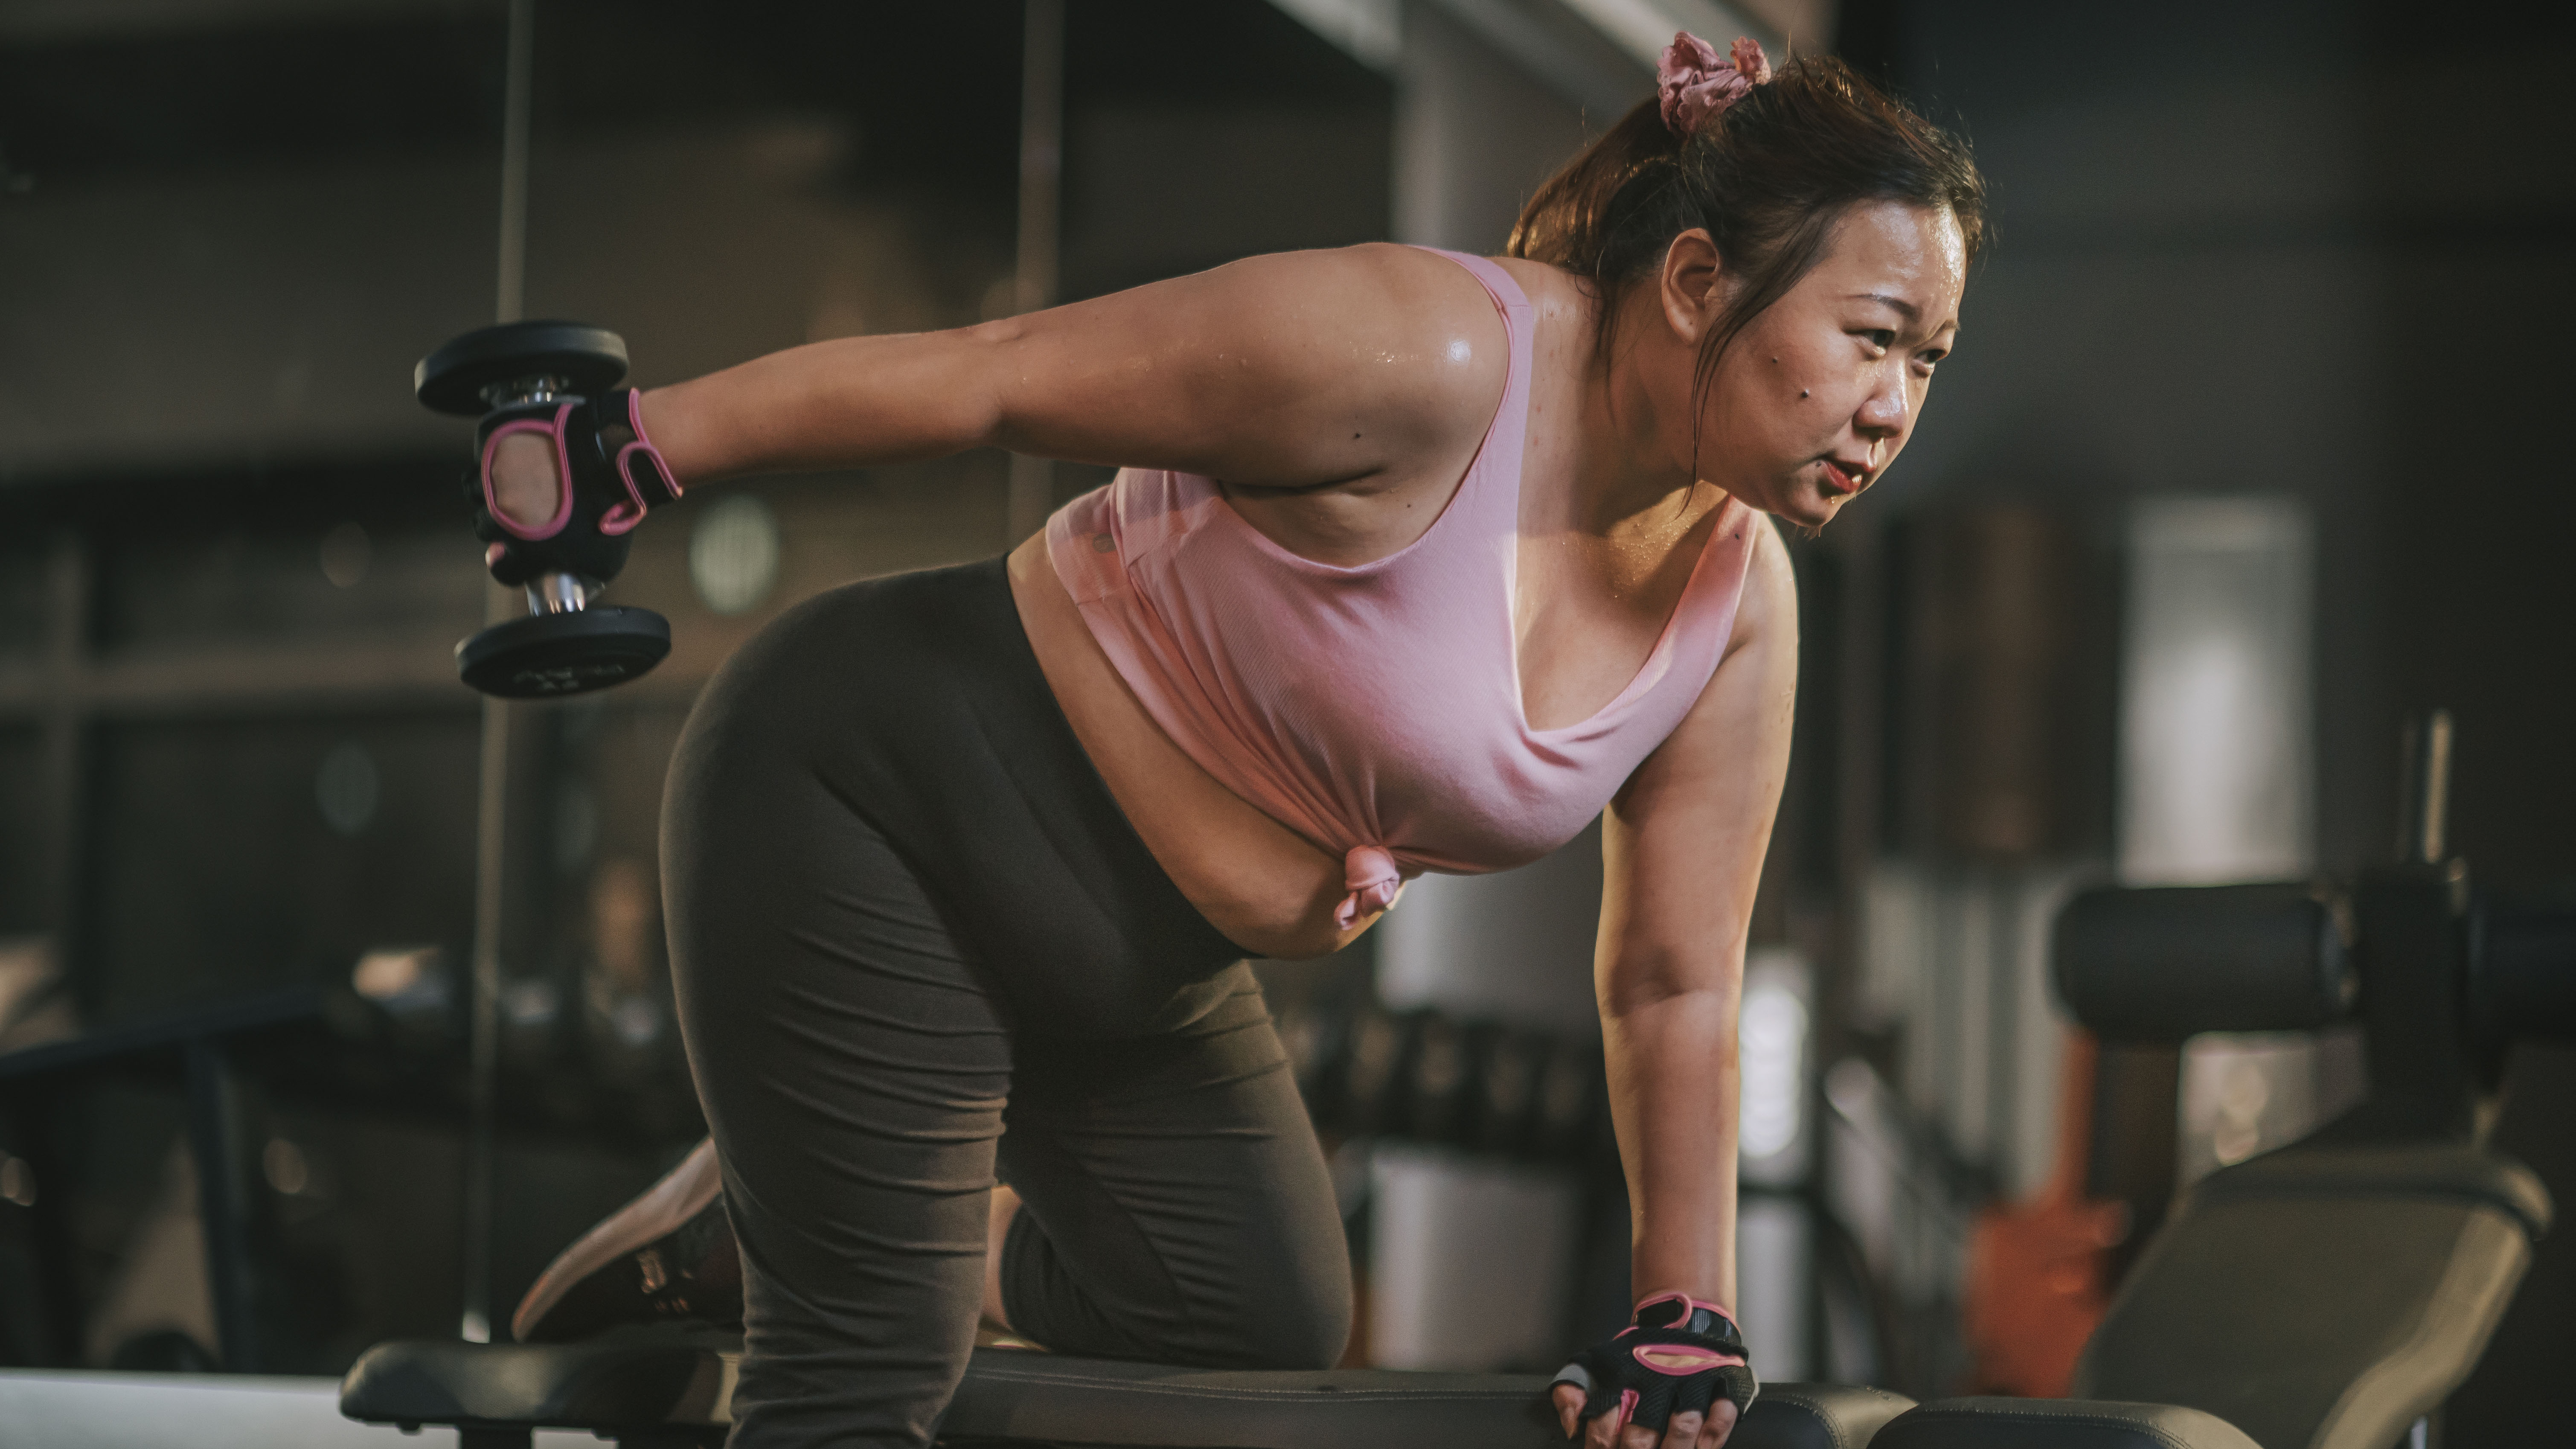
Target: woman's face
(1818,395)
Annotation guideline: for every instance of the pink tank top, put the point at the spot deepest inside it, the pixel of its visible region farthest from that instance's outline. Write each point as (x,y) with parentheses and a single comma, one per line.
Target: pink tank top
(1377,710)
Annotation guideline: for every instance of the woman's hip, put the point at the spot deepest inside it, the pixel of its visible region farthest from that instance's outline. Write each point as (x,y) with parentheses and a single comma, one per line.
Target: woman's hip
(913,706)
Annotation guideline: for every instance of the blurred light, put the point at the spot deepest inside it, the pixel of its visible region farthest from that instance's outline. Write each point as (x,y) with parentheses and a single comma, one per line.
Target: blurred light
(636,1021)
(345,788)
(285,1166)
(530,1002)
(733,556)
(531,1012)
(17,1180)
(2244,1093)
(1773,1037)
(388,972)
(346,552)
(2216,752)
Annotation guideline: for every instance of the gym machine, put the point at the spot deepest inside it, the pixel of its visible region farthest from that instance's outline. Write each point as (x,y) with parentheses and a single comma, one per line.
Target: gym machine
(2330,1294)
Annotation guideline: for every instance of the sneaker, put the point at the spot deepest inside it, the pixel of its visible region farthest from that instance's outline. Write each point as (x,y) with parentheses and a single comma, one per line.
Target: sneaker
(668,1255)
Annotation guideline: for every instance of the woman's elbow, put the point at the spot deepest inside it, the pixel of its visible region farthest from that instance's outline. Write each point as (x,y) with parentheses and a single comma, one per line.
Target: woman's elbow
(1670,980)
(981,375)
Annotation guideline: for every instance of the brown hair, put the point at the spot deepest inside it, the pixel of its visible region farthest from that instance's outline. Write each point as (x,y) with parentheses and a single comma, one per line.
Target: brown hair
(1768,177)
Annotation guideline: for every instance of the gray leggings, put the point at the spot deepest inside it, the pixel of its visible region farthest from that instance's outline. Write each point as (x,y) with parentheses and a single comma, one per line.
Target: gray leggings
(910,928)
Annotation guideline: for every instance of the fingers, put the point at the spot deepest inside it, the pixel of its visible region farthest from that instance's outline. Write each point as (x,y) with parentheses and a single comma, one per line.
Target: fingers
(1685,1431)
(524,479)
(1638,1436)
(1569,1407)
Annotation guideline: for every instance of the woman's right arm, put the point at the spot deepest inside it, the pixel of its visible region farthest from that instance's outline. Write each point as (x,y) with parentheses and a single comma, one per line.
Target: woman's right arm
(1284,371)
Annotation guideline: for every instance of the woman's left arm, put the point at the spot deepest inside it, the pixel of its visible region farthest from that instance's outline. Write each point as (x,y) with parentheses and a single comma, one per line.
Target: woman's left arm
(1682,848)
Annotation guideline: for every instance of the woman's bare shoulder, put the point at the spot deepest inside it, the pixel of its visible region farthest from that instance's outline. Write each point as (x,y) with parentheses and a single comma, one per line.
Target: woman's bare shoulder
(1397,334)
(1378,302)
(1288,370)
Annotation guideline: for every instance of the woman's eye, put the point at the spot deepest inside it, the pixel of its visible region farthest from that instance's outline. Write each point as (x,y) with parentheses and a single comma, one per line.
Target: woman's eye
(1881,338)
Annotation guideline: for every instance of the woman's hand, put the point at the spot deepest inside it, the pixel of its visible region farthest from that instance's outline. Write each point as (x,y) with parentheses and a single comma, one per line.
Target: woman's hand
(1686,1431)
(561,483)
(1675,1378)
(524,479)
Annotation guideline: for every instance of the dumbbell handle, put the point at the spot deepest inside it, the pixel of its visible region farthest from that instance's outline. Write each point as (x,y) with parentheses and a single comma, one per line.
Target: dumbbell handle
(557,594)
(519,391)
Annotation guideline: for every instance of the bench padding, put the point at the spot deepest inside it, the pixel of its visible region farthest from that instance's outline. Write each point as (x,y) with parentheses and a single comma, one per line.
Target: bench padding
(632,1389)
(2322,1297)
(2058,1424)
(602,1386)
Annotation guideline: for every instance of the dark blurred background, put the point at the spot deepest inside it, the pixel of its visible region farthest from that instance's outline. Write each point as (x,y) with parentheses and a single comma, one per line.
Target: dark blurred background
(2245,454)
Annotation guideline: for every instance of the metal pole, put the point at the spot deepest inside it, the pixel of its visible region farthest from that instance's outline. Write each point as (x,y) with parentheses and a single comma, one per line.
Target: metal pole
(493,769)
(1032,493)
(513,270)
(2424,789)
(223,1200)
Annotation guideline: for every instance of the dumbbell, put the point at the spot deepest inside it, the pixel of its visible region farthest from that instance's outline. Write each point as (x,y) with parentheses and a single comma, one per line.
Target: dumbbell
(568,644)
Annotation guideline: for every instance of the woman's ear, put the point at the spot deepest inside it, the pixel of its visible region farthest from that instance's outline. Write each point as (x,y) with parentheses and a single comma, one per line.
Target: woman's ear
(1690,286)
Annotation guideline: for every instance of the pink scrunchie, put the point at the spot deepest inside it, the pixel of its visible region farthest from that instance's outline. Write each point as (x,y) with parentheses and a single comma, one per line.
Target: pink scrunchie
(1369,874)
(1696,83)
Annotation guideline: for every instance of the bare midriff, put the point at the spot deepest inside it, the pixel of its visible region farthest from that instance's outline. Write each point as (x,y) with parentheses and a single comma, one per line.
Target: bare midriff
(1267,888)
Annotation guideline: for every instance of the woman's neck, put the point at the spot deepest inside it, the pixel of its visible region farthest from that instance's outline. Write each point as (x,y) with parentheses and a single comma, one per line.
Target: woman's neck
(1635,459)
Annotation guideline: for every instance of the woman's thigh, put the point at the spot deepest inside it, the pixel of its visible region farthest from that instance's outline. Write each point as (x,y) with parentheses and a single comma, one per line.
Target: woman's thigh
(1176,1204)
(883,850)
(853,1070)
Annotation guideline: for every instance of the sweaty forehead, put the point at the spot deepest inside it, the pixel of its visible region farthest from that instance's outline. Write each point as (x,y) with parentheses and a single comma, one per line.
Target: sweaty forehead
(1891,249)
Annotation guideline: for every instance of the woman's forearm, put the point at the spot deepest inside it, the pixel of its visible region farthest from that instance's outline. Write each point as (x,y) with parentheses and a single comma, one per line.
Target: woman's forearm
(852,402)
(1673,1093)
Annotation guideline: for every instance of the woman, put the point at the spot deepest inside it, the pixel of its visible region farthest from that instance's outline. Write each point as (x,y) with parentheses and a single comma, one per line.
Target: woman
(1417,561)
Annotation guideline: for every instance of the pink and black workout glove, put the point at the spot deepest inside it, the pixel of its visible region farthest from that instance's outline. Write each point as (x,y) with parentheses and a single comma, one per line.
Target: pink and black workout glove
(1677,1356)
(607,474)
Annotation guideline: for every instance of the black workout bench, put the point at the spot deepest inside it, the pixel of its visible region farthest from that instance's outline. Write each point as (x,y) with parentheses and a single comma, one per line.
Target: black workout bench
(669,1395)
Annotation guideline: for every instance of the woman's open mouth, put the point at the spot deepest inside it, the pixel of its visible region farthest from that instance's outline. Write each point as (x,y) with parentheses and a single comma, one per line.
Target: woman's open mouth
(1845,478)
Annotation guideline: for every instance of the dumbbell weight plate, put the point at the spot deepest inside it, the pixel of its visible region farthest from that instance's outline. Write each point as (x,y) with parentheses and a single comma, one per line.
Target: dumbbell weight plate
(547,655)
(589,360)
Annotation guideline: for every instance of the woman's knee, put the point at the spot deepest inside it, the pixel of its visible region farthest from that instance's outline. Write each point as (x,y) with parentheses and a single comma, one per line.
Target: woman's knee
(1303,1328)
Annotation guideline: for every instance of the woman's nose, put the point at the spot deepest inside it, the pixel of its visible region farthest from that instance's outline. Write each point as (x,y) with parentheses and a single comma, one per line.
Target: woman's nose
(1883,412)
